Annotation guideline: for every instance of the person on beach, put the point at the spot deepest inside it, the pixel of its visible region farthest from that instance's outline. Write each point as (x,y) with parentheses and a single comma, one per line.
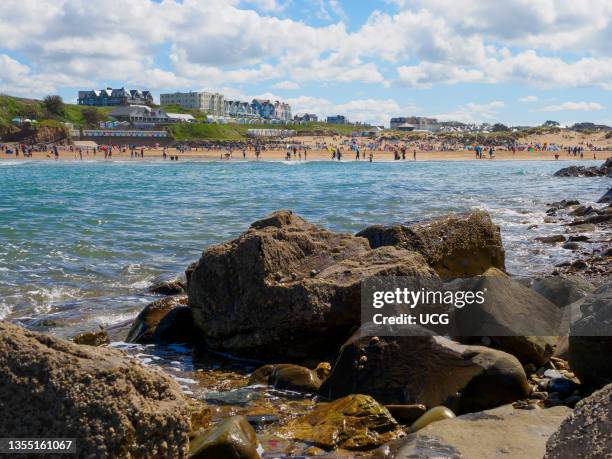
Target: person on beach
(414,155)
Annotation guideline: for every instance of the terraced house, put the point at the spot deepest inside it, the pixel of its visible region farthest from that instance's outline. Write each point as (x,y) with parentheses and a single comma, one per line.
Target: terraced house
(112,97)
(272,110)
(236,108)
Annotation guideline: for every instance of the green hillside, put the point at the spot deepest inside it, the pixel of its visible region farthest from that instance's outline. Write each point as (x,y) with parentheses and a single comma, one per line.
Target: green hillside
(199,131)
(12,107)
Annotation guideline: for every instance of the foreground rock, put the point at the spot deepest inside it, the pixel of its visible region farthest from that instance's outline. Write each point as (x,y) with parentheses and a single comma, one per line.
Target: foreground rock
(455,245)
(289,377)
(288,289)
(355,422)
(233,438)
(165,320)
(428,370)
(115,407)
(587,432)
(501,432)
(605,170)
(517,319)
(590,343)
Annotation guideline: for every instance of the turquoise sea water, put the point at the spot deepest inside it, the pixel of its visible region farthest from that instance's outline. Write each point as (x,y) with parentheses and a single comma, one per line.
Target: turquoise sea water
(80,242)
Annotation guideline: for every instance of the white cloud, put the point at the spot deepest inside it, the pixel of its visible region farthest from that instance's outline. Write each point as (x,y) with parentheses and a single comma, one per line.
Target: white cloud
(573,106)
(526,68)
(223,42)
(528,99)
(272,6)
(289,85)
(473,113)
(375,111)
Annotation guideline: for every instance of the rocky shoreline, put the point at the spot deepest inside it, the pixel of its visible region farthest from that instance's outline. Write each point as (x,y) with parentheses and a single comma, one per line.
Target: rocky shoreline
(286,293)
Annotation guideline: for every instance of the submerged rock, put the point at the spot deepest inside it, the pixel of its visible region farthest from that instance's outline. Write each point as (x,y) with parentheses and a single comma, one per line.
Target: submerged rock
(170,287)
(455,245)
(98,338)
(355,422)
(287,289)
(605,170)
(501,432)
(551,239)
(429,370)
(109,402)
(587,431)
(233,438)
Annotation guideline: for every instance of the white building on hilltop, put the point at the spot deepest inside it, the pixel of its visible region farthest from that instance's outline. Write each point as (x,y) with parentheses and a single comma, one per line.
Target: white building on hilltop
(147,117)
(207,102)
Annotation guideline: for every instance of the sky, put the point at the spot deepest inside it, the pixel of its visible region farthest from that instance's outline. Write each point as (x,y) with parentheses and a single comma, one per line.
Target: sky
(518,62)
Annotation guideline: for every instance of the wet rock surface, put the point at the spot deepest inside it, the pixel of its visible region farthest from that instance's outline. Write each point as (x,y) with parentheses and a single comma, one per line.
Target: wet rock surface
(355,422)
(455,245)
(605,170)
(154,322)
(115,407)
(588,229)
(97,338)
(233,438)
(288,376)
(169,287)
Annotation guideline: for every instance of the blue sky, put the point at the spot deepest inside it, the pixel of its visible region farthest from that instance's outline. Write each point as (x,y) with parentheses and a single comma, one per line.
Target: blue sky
(516,61)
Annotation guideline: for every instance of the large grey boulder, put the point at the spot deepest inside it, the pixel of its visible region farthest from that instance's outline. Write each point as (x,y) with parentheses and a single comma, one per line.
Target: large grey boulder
(113,406)
(515,318)
(427,369)
(587,432)
(590,341)
(500,432)
(455,245)
(562,290)
(287,289)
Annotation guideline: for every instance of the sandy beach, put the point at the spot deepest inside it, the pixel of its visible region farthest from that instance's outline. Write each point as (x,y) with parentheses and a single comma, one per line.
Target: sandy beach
(596,147)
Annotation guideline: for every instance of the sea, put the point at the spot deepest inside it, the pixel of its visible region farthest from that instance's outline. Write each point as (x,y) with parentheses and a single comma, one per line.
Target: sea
(81,242)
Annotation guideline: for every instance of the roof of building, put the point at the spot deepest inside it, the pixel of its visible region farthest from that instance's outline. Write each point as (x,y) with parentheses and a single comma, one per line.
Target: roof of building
(130,110)
(180,116)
